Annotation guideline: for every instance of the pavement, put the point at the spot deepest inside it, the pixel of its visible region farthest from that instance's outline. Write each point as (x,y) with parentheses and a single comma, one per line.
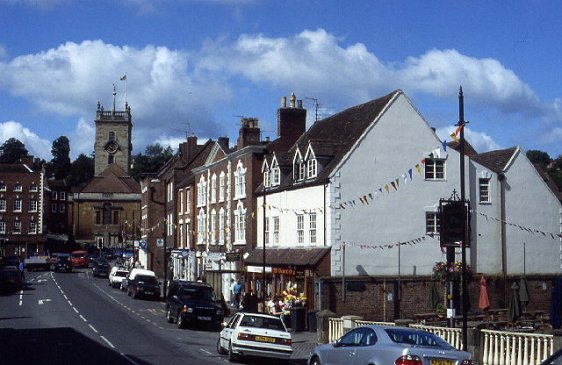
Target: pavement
(303,344)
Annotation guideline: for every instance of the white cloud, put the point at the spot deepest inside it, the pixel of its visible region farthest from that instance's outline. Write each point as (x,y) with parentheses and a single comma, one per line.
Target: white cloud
(35,146)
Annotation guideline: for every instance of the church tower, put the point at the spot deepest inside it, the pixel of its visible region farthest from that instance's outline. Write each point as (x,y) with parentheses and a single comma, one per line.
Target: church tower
(113,138)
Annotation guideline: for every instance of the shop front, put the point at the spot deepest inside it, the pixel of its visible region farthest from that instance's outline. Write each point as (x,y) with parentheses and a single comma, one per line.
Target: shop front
(221,271)
(288,271)
(183,265)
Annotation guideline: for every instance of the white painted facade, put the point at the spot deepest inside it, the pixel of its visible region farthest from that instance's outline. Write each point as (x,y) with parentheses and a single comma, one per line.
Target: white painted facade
(373,227)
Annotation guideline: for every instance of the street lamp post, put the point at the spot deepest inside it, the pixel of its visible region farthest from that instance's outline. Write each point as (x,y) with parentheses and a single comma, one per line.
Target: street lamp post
(164,249)
(465,239)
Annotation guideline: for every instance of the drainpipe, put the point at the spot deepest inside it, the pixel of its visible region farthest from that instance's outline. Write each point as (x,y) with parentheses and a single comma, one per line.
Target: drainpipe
(501,178)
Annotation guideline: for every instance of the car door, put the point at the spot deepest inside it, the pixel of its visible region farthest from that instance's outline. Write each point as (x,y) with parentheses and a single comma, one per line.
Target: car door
(366,349)
(344,349)
(228,330)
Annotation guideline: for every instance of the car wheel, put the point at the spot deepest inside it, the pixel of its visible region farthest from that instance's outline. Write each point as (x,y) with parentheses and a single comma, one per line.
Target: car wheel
(232,357)
(220,350)
(169,317)
(180,323)
(315,361)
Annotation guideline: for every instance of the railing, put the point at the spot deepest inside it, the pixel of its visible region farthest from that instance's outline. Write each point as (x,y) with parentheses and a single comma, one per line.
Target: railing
(335,329)
(496,347)
(451,335)
(515,348)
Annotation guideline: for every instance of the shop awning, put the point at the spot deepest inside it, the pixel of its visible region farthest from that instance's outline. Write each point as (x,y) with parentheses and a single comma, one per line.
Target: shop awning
(287,256)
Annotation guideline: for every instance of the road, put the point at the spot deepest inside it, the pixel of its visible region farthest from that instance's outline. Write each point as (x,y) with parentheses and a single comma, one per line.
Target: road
(73,318)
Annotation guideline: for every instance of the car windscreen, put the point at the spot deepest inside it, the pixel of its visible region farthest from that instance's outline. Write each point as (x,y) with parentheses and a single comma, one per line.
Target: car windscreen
(262,322)
(121,273)
(419,338)
(146,279)
(198,293)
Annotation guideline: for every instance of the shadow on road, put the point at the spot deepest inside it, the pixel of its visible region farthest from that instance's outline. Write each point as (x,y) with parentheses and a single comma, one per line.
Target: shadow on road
(56,346)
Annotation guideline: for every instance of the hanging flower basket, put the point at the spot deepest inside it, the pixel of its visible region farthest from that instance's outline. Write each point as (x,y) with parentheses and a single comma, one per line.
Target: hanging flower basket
(440,271)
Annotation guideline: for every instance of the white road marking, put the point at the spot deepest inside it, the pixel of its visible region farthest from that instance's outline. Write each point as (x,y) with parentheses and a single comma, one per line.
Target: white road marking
(205,351)
(69,303)
(84,319)
(93,329)
(43,301)
(129,359)
(107,341)
(76,310)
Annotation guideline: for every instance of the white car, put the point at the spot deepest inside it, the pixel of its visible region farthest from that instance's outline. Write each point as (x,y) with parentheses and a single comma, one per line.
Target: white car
(116,276)
(253,334)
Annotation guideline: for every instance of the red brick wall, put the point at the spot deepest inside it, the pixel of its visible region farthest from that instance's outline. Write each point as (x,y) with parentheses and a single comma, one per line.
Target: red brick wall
(372,302)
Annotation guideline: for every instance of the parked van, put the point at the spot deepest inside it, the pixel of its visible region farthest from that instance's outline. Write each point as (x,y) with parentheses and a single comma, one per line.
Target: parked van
(79,258)
(142,282)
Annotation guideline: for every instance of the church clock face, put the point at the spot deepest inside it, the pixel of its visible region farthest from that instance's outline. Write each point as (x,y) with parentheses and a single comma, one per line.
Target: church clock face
(111,147)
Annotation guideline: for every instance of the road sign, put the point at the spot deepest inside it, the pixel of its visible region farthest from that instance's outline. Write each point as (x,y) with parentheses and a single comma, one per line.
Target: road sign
(159,242)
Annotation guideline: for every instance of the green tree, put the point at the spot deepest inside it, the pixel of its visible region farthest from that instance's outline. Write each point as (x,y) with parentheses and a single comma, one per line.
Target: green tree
(12,150)
(81,170)
(539,157)
(154,158)
(60,163)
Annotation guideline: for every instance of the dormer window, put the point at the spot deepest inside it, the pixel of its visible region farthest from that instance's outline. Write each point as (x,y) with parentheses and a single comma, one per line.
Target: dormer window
(2,186)
(33,187)
(266,181)
(301,170)
(18,187)
(275,176)
(311,168)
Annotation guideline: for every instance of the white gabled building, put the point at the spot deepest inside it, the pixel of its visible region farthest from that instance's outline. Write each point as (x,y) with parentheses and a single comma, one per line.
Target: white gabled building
(370,179)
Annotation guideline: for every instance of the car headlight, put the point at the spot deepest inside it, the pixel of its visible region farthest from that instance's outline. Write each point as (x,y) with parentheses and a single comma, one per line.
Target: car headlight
(186,309)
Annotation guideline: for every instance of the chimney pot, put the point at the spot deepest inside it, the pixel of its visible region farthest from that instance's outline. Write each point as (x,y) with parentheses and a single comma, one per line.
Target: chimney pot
(292,100)
(283,102)
(299,104)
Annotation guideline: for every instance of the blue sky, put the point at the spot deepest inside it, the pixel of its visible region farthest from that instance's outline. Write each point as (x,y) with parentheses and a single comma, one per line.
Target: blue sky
(196,66)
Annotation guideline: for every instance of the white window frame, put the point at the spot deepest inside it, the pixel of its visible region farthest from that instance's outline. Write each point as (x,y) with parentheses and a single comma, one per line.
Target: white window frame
(62,195)
(240,224)
(17,205)
(2,186)
(432,223)
(266,179)
(300,229)
(221,186)
(181,202)
(201,222)
(202,192)
(221,226)
(170,225)
(275,176)
(188,201)
(3,205)
(311,168)
(32,227)
(276,226)
(2,227)
(240,181)
(33,188)
(266,231)
(54,195)
(170,191)
(18,187)
(435,169)
(213,227)
(312,228)
(33,205)
(213,188)
(484,191)
(62,208)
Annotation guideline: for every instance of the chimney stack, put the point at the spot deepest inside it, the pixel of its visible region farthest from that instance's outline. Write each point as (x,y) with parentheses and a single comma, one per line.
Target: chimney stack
(187,149)
(291,121)
(249,133)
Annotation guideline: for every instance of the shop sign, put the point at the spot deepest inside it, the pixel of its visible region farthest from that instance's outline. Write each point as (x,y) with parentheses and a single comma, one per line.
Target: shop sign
(232,256)
(257,269)
(299,275)
(283,271)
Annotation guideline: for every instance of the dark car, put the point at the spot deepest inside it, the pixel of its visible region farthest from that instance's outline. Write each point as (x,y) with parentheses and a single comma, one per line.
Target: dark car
(11,278)
(195,303)
(63,264)
(100,267)
(554,359)
(143,285)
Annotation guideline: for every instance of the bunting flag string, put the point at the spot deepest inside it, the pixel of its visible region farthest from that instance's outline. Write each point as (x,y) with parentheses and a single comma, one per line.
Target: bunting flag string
(523,228)
(382,246)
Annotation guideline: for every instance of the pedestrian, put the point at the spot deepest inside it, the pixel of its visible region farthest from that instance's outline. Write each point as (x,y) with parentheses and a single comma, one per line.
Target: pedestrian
(237,291)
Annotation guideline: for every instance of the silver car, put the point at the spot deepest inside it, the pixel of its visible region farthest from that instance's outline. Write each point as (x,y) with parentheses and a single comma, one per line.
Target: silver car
(374,345)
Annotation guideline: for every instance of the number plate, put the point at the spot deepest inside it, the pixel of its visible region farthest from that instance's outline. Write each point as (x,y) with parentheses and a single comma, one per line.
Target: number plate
(148,292)
(441,362)
(202,318)
(265,339)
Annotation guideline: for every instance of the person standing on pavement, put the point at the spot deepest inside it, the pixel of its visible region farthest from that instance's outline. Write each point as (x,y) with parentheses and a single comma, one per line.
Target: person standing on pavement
(237,291)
